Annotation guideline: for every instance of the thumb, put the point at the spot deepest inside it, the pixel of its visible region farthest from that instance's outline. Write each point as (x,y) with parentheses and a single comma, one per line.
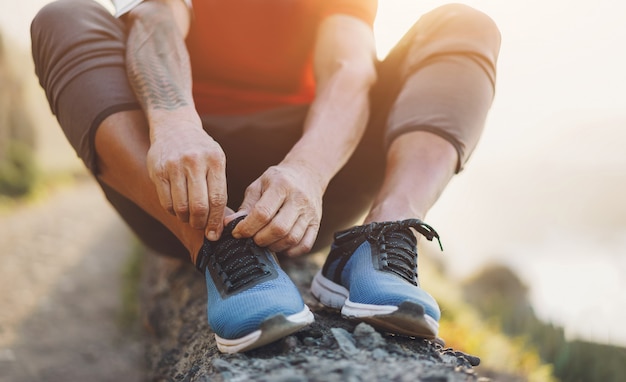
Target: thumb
(252,196)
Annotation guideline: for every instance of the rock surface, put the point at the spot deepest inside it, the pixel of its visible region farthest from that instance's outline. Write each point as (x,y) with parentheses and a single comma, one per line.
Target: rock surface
(181,346)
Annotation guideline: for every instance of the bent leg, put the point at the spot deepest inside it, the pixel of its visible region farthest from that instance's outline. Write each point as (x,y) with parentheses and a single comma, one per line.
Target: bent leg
(432,96)
(445,69)
(441,80)
(78,50)
(429,107)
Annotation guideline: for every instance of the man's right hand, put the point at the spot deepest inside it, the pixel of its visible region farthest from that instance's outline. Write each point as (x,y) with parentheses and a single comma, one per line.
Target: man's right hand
(188,169)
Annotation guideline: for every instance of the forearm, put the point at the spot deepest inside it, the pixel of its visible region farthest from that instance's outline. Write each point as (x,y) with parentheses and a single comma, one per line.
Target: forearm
(158,67)
(335,124)
(186,166)
(344,68)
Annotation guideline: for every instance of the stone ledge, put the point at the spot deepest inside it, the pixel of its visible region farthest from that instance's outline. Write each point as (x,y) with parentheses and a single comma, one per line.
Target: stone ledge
(181,346)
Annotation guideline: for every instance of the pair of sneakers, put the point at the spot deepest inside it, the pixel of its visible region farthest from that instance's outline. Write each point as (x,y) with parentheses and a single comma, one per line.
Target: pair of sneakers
(370,275)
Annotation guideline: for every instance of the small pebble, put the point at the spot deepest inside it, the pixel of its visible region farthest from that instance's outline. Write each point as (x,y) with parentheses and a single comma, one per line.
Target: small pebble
(344,340)
(379,354)
(290,343)
(367,337)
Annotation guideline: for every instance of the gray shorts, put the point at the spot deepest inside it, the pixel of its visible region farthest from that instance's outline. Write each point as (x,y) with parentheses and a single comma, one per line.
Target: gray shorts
(439,78)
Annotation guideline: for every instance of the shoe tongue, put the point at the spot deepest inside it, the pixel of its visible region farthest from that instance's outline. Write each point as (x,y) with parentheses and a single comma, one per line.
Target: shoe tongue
(405,235)
(400,249)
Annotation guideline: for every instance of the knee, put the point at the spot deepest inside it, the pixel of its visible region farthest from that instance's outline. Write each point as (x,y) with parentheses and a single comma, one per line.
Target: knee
(59,17)
(467,21)
(61,31)
(55,13)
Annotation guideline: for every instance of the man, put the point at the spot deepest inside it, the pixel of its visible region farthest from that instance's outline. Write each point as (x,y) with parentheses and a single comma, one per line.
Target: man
(277,108)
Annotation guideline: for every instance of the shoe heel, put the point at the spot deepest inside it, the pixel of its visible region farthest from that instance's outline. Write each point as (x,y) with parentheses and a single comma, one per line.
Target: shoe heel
(330,294)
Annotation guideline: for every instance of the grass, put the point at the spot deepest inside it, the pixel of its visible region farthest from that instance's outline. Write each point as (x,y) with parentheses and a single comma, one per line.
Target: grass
(463,328)
(45,185)
(128,317)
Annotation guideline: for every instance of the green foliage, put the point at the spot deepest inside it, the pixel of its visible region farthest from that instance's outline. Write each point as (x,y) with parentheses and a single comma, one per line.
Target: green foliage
(18,170)
(131,273)
(500,296)
(464,328)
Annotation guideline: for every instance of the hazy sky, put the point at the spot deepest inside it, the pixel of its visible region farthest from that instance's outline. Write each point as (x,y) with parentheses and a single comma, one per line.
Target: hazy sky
(562,62)
(544,190)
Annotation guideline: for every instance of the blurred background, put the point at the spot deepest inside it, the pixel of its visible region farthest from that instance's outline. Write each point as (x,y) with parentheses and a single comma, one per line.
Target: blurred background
(534,229)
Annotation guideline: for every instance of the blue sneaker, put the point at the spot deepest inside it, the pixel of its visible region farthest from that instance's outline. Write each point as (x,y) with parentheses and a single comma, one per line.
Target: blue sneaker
(371,275)
(251,300)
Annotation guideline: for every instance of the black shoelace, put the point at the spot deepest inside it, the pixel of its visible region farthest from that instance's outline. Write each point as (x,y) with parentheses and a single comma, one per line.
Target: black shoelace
(234,260)
(396,244)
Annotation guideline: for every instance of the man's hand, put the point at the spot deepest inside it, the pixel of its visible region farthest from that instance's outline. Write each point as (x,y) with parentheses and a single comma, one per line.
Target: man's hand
(188,169)
(284,208)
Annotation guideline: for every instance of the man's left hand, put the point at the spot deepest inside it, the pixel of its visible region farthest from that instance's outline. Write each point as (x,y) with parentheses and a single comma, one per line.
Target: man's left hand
(284,208)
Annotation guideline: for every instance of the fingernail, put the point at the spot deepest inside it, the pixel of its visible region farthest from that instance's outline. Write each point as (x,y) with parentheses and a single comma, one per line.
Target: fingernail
(212,235)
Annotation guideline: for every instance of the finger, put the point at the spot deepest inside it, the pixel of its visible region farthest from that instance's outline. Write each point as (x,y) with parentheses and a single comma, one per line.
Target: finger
(178,187)
(165,196)
(216,180)
(252,196)
(307,242)
(198,200)
(280,226)
(261,213)
(292,238)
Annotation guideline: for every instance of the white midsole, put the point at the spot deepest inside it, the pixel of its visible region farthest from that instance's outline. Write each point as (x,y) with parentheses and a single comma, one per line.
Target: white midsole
(303,317)
(327,292)
(432,324)
(336,296)
(235,345)
(355,309)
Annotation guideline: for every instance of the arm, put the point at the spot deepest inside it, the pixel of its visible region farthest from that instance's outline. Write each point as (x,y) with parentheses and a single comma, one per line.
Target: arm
(345,71)
(185,164)
(285,203)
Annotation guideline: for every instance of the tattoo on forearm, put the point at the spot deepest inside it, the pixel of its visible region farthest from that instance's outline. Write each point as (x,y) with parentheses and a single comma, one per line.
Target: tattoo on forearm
(158,71)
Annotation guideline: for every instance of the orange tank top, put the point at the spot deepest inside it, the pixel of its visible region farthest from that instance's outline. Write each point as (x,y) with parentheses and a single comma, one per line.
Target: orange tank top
(254,55)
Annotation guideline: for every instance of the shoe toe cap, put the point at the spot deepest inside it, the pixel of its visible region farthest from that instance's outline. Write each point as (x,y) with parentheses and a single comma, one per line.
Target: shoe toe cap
(243,313)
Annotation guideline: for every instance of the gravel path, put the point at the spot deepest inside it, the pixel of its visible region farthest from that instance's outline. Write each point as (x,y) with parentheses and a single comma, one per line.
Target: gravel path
(60,267)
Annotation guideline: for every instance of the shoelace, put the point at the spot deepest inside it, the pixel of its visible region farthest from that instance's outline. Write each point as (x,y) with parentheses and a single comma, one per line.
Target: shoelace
(396,244)
(234,259)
